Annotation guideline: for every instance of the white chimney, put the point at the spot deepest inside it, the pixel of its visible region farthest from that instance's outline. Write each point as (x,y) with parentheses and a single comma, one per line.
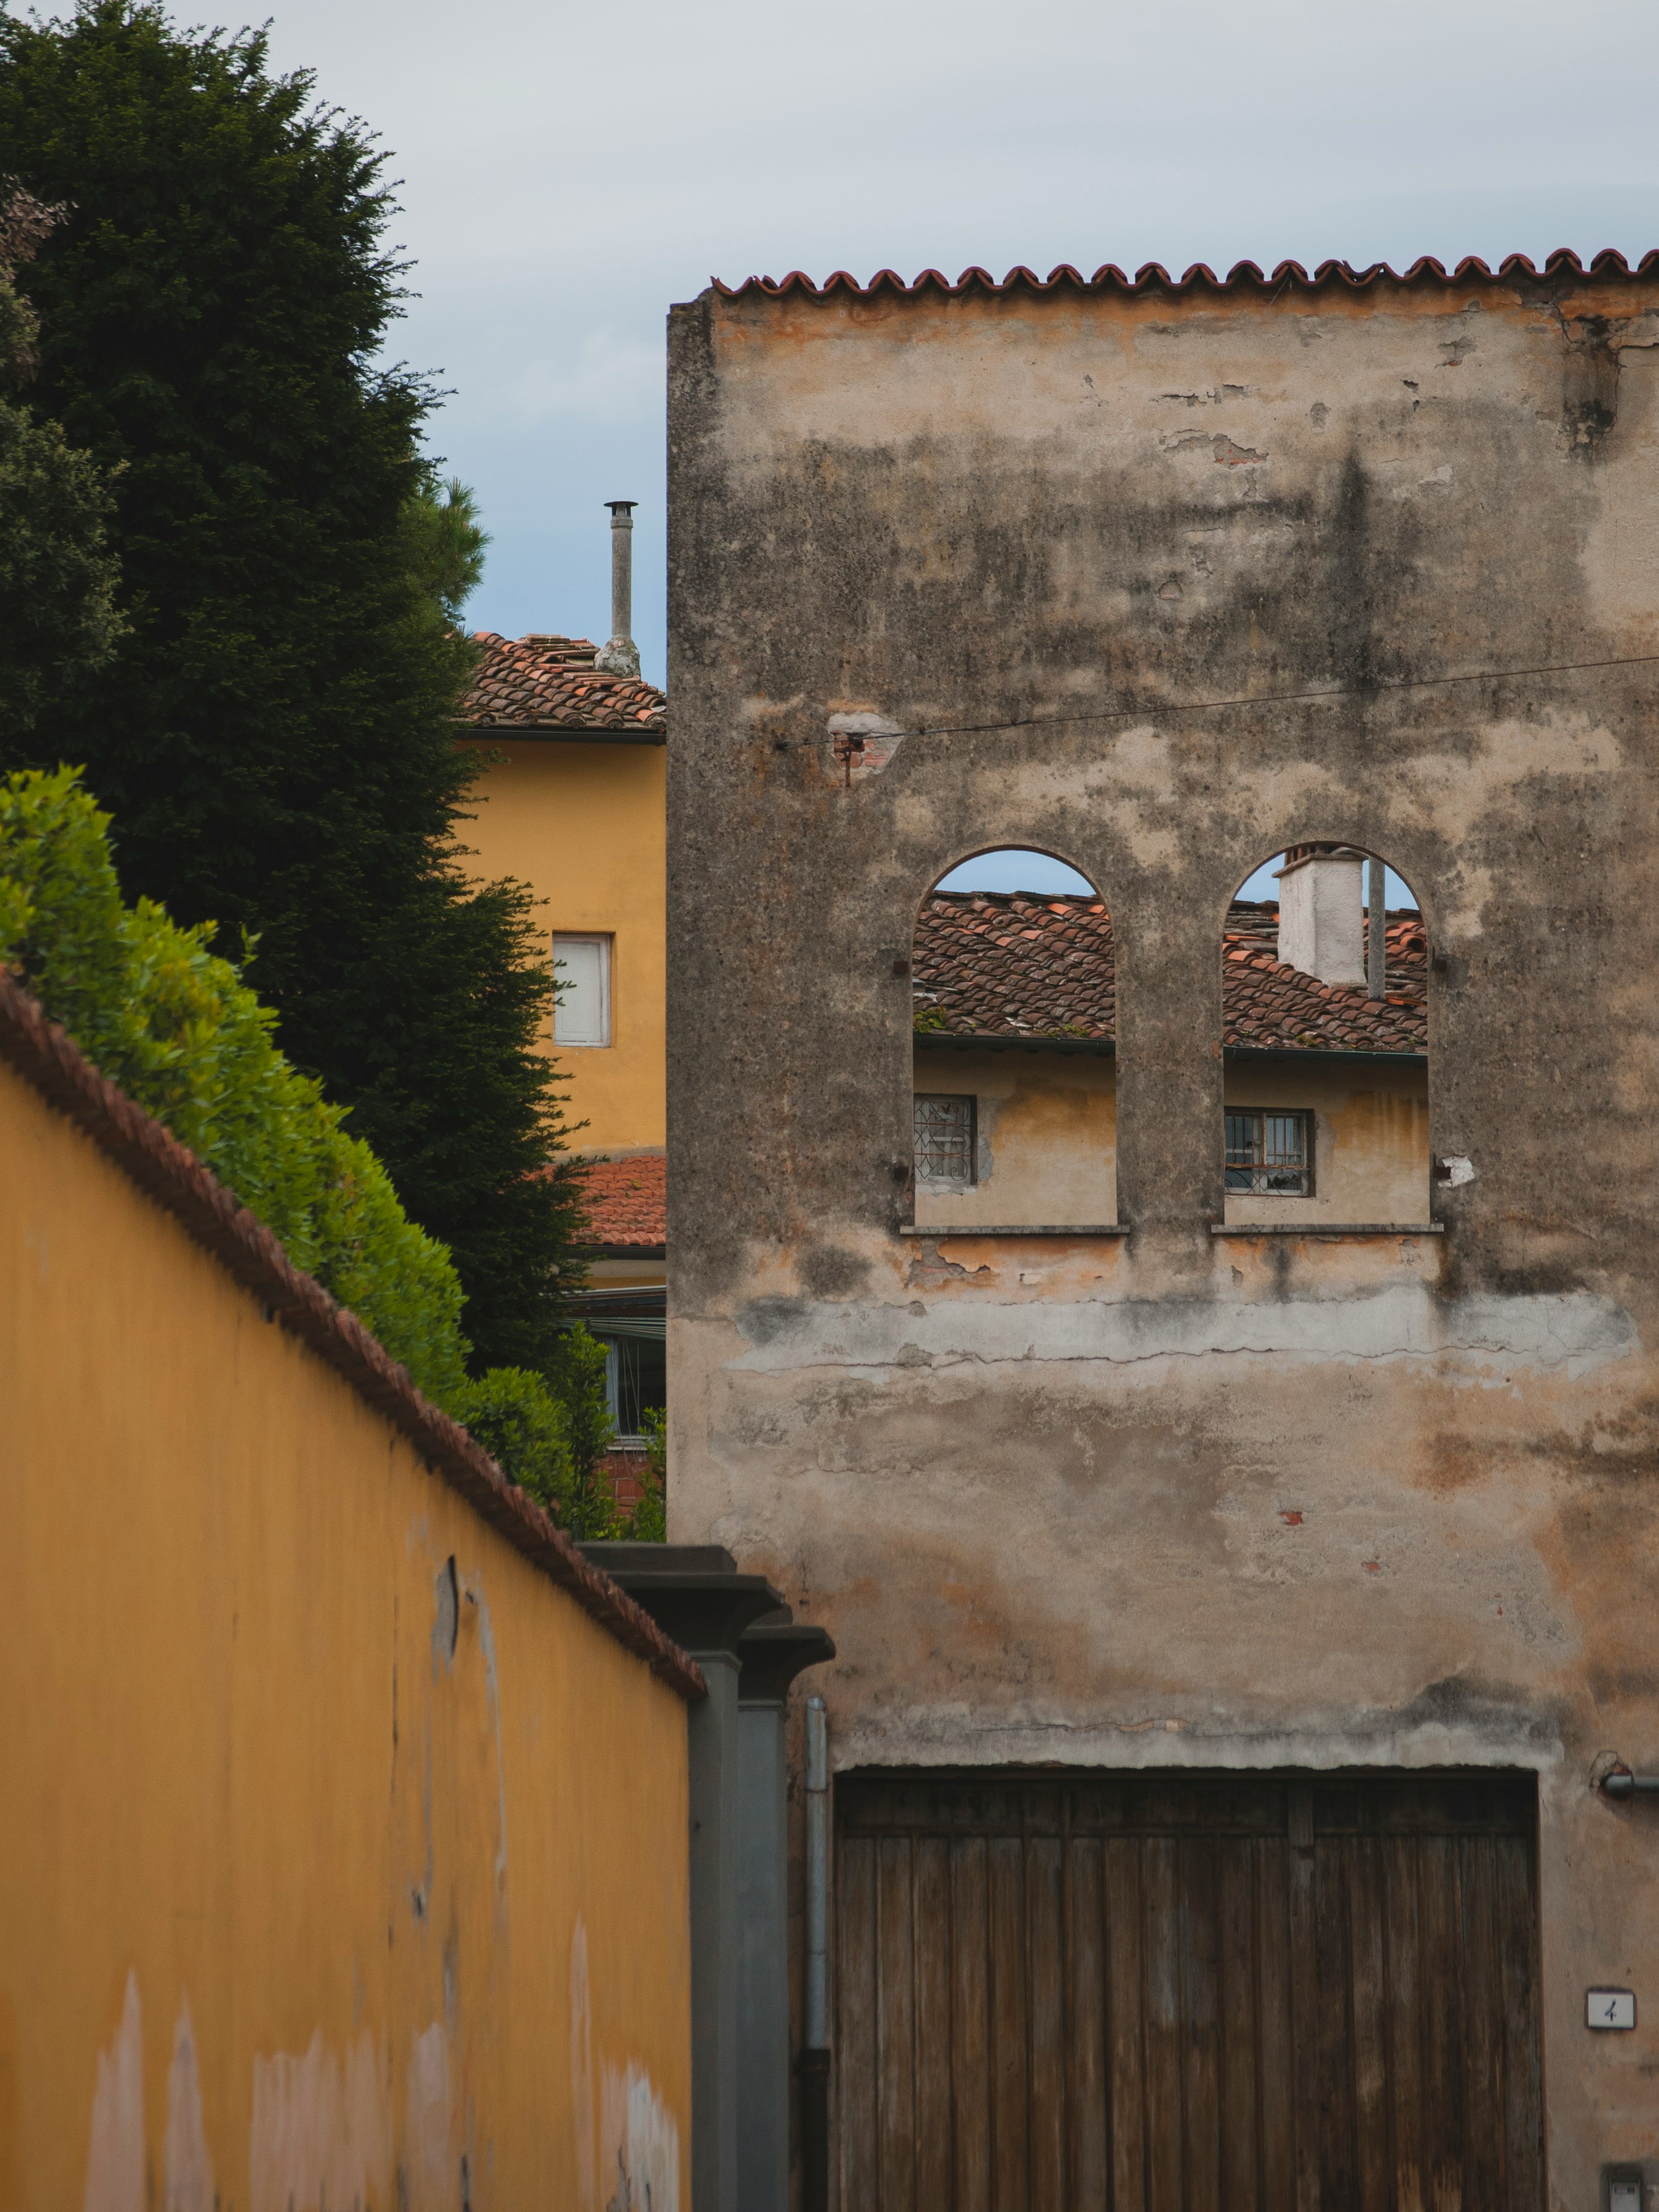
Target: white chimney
(1322,913)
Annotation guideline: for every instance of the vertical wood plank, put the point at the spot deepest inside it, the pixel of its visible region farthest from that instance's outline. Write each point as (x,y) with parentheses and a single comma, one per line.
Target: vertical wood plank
(1239,2033)
(1336,2161)
(1276,2049)
(1010,2028)
(1405,2026)
(934,1945)
(1373,2156)
(1201,1947)
(1304,1994)
(896,2025)
(1483,2025)
(970,2017)
(1440,1967)
(1165,2181)
(1087,2088)
(1123,1859)
(1044,1931)
(856,2023)
(1523,2104)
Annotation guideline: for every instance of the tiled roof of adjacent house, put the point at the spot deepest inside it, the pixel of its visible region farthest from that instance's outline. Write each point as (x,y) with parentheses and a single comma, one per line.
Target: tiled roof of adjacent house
(1264,1003)
(1014,964)
(1010,964)
(627,1202)
(1151,277)
(552,684)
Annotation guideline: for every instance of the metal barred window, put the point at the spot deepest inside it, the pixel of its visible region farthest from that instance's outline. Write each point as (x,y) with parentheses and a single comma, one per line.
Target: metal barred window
(1270,1155)
(945,1139)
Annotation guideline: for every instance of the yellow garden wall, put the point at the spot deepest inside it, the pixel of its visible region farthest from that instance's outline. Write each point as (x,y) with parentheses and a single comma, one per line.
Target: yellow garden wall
(298,1905)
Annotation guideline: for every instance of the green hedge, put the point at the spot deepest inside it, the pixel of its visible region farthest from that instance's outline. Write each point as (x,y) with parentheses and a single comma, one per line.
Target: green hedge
(174,1025)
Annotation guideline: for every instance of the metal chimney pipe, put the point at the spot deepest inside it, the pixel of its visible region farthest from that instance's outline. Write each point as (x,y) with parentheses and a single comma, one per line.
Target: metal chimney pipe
(621,657)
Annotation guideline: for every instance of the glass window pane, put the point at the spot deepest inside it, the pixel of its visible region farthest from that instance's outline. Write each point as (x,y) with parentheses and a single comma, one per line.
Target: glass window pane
(945,1139)
(581,1014)
(1269,1154)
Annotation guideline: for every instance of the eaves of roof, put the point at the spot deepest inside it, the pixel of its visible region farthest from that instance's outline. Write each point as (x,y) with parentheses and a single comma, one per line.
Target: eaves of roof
(1343,1055)
(1002,1040)
(1242,276)
(153,1158)
(558,733)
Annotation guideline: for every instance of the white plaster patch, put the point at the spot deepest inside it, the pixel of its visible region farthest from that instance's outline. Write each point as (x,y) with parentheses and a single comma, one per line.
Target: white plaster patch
(189,2165)
(642,2143)
(428,2167)
(1574,1332)
(952,1734)
(1458,1168)
(320,2133)
(115,2155)
(862,744)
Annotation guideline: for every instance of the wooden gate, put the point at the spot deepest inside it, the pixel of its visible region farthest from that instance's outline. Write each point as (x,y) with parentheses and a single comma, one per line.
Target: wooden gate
(1188,1994)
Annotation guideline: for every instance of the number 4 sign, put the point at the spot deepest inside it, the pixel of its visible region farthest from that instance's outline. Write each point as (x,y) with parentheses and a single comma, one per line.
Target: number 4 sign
(1610,2007)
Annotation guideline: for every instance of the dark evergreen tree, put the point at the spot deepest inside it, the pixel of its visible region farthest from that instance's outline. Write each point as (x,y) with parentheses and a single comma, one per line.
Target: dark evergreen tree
(58,577)
(273,737)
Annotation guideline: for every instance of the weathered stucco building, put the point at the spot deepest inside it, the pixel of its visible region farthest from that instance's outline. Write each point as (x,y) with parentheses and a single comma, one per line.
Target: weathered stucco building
(1235,1622)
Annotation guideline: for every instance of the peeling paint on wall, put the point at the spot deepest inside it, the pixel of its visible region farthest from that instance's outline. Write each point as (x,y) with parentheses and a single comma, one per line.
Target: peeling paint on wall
(428,2173)
(189,2162)
(1480,1336)
(642,2141)
(320,2135)
(115,2158)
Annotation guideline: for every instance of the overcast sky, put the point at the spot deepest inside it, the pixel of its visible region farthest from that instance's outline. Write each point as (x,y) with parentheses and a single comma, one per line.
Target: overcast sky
(567,171)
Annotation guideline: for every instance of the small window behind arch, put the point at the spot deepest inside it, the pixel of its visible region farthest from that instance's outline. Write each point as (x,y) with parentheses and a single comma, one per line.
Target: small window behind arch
(1324,990)
(1014,1092)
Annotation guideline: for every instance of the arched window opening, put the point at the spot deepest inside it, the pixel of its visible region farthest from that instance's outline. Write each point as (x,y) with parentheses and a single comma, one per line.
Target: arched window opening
(1324,990)
(1015,1019)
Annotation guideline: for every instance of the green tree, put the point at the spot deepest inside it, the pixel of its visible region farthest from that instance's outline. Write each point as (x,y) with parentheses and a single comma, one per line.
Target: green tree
(273,738)
(177,1029)
(58,576)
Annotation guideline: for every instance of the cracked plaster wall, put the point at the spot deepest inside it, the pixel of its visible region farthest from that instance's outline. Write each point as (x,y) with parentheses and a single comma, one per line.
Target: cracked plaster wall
(1179,1498)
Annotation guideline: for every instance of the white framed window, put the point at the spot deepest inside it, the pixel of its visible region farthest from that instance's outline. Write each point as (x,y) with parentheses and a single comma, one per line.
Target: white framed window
(581,969)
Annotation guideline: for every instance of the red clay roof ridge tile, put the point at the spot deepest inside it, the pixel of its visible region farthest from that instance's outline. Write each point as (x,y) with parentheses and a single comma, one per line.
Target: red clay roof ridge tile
(1609,264)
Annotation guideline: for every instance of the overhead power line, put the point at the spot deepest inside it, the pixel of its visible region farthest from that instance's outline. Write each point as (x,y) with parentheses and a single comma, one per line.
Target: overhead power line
(1151,710)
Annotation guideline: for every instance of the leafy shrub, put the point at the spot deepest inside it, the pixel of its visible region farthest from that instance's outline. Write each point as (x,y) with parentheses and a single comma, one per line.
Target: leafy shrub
(174,1026)
(523,1427)
(650,1514)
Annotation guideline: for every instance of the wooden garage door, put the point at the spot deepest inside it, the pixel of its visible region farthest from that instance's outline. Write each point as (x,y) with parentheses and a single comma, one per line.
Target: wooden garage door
(1208,1992)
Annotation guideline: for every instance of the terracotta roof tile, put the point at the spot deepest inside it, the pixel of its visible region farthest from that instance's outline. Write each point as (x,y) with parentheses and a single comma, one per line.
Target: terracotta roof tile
(1152,276)
(627,1202)
(552,684)
(1012,963)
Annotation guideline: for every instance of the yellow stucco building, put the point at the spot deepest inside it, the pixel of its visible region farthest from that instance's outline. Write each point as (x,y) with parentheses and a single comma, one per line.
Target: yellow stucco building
(570,798)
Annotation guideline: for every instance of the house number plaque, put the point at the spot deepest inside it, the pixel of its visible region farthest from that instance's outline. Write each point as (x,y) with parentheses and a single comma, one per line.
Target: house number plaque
(1610,2007)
